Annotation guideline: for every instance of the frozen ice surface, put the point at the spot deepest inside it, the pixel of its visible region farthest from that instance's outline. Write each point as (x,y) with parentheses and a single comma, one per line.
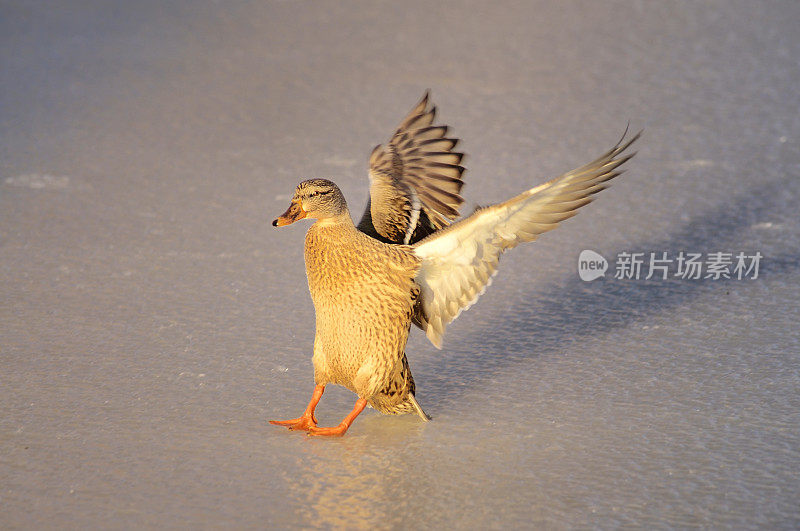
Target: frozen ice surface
(152,320)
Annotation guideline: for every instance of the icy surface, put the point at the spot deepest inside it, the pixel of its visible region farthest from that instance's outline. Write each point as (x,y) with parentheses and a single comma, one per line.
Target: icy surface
(152,321)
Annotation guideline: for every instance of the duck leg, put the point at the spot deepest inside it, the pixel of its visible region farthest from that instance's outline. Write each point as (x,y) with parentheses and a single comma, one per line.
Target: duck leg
(307,420)
(338,431)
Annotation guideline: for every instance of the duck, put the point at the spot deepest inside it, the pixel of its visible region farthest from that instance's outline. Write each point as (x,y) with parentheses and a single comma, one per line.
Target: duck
(409,261)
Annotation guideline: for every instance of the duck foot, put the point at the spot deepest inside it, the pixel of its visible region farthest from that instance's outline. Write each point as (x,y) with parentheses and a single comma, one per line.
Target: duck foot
(307,421)
(334,431)
(341,429)
(301,423)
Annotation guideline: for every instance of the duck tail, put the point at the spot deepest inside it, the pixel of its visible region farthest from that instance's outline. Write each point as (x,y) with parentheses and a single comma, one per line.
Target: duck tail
(424,416)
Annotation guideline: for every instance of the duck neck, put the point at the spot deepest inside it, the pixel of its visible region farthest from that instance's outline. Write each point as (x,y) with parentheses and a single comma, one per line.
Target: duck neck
(342,220)
(327,235)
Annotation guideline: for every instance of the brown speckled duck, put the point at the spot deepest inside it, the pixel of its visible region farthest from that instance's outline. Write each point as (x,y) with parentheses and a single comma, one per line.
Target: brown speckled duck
(406,263)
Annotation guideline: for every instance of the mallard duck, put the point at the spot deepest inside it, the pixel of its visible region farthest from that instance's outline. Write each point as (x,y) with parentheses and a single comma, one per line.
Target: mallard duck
(406,263)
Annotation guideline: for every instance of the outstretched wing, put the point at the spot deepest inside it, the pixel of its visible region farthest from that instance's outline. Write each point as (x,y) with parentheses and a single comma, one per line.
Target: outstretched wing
(459,262)
(415,180)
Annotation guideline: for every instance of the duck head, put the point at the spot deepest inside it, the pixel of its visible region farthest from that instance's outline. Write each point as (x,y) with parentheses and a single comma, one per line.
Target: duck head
(316,199)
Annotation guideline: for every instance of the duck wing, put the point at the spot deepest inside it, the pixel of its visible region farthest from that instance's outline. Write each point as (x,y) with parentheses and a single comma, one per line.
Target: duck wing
(415,180)
(458,262)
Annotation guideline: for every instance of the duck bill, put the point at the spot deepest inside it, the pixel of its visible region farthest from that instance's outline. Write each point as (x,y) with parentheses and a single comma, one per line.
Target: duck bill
(292,214)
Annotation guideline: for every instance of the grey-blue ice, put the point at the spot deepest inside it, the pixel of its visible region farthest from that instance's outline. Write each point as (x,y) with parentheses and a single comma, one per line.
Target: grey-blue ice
(151,319)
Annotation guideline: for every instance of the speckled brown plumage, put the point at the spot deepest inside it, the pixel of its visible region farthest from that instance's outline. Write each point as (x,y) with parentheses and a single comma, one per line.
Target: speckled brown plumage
(363,292)
(415,180)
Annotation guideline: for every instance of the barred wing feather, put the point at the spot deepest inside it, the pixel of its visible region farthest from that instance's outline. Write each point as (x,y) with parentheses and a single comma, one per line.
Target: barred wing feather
(415,180)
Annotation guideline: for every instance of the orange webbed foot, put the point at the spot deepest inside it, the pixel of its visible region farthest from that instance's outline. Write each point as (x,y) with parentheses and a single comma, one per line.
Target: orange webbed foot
(341,429)
(334,431)
(306,422)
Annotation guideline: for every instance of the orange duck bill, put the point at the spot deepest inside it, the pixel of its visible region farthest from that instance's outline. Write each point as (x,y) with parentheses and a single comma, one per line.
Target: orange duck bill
(292,214)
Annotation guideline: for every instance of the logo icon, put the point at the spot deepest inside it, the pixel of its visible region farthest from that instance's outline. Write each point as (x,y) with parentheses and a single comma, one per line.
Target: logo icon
(591,265)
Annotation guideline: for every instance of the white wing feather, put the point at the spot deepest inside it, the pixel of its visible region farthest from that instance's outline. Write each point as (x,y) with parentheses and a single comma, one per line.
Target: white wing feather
(458,262)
